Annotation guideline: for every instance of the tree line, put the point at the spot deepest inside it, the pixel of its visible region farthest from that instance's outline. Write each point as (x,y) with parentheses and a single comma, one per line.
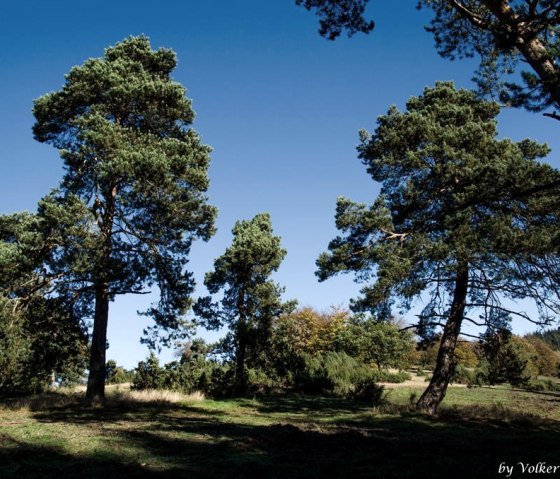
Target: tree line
(463,217)
(343,354)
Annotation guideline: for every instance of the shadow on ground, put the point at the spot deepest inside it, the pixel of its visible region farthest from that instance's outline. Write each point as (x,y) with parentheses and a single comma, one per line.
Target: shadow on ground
(195,442)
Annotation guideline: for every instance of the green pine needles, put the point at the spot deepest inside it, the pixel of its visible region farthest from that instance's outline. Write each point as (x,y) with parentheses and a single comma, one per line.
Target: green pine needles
(251,300)
(122,126)
(462,217)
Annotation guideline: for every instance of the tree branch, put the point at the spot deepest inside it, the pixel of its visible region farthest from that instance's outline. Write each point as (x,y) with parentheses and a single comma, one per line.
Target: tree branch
(472,17)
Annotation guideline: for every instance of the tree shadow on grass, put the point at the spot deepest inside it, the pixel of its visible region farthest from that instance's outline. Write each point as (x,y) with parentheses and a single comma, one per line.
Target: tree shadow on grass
(188,441)
(22,460)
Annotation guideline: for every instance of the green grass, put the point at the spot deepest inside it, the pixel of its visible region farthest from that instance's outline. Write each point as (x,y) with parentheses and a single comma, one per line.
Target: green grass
(288,436)
(543,405)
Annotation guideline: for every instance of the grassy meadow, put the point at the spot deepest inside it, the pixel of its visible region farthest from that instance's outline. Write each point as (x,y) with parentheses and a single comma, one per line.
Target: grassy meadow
(169,435)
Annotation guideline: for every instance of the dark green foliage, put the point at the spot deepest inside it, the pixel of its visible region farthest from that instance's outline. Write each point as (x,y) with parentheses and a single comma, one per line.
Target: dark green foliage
(446,180)
(506,360)
(546,385)
(379,343)
(368,391)
(117,374)
(42,335)
(306,331)
(265,381)
(551,337)
(122,126)
(333,373)
(338,15)
(504,35)
(186,376)
(388,377)
(15,356)
(461,218)
(462,375)
(220,380)
(148,374)
(250,300)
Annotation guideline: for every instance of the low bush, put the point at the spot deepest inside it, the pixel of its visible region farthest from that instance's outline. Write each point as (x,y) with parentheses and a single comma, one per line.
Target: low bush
(369,391)
(462,375)
(387,377)
(333,373)
(148,374)
(186,377)
(543,385)
(264,381)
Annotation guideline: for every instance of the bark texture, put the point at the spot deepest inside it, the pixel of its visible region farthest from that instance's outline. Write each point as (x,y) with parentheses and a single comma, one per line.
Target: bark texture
(435,392)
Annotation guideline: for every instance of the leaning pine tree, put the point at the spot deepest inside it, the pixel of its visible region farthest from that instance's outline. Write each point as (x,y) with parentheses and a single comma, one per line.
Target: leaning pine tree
(121,125)
(462,220)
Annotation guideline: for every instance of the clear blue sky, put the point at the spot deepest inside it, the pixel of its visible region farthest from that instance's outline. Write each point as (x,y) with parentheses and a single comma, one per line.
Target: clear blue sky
(280,106)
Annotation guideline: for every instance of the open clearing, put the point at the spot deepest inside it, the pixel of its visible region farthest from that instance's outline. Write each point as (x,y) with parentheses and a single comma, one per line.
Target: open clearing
(286,436)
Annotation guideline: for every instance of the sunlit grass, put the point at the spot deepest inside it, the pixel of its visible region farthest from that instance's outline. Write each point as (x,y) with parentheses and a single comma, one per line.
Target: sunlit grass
(162,434)
(154,396)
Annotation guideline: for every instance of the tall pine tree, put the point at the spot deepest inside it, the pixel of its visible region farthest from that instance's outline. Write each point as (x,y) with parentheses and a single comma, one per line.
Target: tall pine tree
(122,126)
(462,220)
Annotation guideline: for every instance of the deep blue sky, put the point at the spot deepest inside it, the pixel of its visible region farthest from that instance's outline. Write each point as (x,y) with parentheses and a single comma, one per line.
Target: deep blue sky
(280,106)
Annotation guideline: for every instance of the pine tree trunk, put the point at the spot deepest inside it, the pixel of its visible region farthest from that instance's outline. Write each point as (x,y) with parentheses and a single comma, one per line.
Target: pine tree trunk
(96,380)
(525,39)
(435,392)
(240,372)
(240,382)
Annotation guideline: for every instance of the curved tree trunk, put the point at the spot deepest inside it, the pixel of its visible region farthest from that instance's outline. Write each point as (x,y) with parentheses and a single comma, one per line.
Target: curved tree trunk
(435,392)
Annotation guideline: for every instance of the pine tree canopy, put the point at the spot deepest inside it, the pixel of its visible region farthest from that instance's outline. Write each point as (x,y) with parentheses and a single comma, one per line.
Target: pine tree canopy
(251,299)
(243,273)
(122,126)
(505,35)
(453,197)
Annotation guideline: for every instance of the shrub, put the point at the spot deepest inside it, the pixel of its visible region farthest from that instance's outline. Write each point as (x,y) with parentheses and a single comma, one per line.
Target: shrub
(148,374)
(369,391)
(546,360)
(387,377)
(261,380)
(462,375)
(39,346)
(377,342)
(115,374)
(507,358)
(543,385)
(466,354)
(332,373)
(218,380)
(186,376)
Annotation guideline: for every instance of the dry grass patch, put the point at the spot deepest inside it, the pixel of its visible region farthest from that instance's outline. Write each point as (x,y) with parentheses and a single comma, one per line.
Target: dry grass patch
(70,397)
(154,396)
